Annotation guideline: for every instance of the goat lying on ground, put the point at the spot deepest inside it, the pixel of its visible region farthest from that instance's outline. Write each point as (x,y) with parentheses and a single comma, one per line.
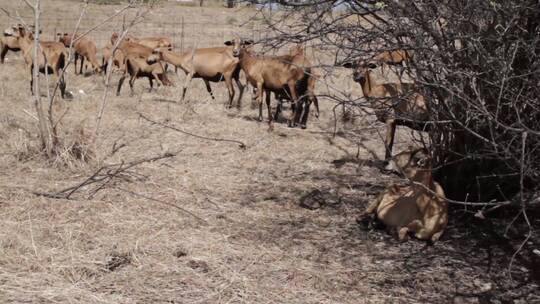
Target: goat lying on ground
(419,208)
(84,48)
(138,67)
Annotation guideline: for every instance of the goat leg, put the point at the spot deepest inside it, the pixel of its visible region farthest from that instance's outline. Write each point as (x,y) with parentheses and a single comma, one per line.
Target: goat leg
(61,82)
(279,106)
(294,103)
(82,63)
(230,88)
(32,79)
(209,88)
(132,83)
(3,54)
(186,83)
(259,98)
(151,84)
(305,114)
(120,82)
(403,233)
(270,125)
(389,141)
(241,88)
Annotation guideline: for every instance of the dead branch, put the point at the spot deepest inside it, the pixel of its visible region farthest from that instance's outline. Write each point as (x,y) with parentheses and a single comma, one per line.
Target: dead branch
(241,144)
(162,202)
(103,176)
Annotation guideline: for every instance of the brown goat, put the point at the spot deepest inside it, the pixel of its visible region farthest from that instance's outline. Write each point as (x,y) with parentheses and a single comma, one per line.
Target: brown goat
(420,208)
(131,48)
(152,42)
(210,64)
(8,42)
(305,87)
(118,60)
(84,48)
(138,67)
(393,58)
(275,74)
(394,103)
(51,57)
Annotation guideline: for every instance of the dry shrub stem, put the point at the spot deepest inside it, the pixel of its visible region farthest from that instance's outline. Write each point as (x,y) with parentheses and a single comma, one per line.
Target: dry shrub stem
(103,176)
(240,144)
(476,62)
(139,16)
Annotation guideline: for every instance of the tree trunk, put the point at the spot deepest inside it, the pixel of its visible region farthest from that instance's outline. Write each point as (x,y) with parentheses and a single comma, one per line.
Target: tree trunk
(46,133)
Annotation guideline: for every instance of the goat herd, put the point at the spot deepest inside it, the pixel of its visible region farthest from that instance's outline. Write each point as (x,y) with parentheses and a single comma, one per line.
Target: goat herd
(419,208)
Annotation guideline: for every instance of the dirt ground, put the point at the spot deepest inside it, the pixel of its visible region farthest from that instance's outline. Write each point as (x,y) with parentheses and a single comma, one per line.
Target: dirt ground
(274,222)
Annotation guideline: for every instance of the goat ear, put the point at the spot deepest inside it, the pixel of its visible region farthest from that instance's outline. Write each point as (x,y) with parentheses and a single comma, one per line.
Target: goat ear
(228,43)
(423,161)
(349,65)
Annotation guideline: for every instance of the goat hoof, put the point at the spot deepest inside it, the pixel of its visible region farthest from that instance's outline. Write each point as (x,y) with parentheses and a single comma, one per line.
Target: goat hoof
(303,126)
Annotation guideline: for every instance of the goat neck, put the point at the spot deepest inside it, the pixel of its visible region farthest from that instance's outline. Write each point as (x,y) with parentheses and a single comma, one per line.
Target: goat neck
(366,85)
(170,57)
(246,59)
(423,176)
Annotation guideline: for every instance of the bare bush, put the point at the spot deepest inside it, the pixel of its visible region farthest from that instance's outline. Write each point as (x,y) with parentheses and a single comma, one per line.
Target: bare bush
(475,61)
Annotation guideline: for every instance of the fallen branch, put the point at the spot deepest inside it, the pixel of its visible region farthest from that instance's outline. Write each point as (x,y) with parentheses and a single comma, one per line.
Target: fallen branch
(241,144)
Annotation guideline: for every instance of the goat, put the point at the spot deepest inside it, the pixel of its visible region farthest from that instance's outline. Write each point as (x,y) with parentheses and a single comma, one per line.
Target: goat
(51,57)
(84,48)
(393,58)
(131,48)
(152,42)
(305,88)
(118,59)
(8,42)
(420,208)
(272,74)
(137,67)
(210,64)
(408,106)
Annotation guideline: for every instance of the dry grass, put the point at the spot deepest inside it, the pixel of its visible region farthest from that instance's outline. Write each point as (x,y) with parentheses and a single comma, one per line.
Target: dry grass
(256,244)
